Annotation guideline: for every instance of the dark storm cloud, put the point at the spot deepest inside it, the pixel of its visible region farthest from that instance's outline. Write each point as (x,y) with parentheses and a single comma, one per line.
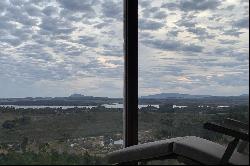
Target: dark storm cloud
(145,24)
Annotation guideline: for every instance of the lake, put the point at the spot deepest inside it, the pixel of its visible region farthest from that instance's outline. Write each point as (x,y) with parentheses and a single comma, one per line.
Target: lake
(114,105)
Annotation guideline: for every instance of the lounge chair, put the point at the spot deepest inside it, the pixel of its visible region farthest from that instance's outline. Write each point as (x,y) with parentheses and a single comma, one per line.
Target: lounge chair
(191,149)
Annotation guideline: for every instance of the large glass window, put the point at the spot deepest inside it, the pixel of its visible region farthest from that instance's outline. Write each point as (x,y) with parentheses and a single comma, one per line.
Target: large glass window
(193,66)
(61,80)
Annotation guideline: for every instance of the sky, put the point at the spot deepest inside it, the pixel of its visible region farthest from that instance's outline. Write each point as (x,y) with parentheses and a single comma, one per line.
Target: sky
(52,48)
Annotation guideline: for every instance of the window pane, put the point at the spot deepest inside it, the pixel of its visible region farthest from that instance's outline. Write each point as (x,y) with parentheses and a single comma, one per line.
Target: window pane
(61,70)
(193,67)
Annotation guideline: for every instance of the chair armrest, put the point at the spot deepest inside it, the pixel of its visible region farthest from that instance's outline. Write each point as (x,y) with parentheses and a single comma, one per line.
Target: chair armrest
(236,124)
(227,131)
(142,152)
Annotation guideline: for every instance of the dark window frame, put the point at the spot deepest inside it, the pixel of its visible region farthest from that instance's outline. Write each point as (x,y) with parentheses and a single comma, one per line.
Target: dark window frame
(130,113)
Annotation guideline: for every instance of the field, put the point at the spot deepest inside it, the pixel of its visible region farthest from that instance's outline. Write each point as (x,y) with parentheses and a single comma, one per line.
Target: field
(85,135)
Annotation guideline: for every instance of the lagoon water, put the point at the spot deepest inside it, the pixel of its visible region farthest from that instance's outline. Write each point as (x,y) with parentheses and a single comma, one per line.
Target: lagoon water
(114,105)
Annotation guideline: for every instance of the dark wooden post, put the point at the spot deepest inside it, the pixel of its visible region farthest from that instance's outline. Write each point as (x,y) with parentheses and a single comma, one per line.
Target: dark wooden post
(131,73)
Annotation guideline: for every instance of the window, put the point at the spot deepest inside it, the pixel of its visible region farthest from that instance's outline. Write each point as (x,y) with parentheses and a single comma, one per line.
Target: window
(61,81)
(61,75)
(193,67)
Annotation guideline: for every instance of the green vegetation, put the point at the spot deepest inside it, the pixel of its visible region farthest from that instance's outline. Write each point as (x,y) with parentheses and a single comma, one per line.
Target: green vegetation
(52,158)
(84,136)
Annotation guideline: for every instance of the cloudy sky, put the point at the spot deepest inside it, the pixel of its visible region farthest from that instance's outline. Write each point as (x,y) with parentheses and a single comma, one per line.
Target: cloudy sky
(60,47)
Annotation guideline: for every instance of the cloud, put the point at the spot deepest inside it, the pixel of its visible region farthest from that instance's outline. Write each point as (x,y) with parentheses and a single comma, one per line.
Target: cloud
(186,23)
(78,5)
(5,24)
(88,41)
(14,41)
(145,24)
(197,5)
(50,10)
(160,15)
(56,26)
(16,14)
(174,33)
(144,3)
(242,23)
(192,48)
(33,10)
(58,47)
(112,50)
(112,9)
(232,32)
(172,45)
(3,5)
(229,42)
(201,33)
(170,6)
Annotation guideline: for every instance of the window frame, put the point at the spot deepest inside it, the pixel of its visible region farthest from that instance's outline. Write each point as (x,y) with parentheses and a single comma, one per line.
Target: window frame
(130,112)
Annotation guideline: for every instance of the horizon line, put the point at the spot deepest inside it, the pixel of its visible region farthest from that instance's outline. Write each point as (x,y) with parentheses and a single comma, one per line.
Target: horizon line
(122,97)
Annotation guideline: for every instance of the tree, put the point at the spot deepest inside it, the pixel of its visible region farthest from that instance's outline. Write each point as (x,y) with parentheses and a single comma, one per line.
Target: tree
(8,124)
(24,144)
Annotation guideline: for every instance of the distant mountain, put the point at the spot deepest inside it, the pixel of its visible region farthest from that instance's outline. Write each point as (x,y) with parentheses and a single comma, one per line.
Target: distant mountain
(245,95)
(76,95)
(174,96)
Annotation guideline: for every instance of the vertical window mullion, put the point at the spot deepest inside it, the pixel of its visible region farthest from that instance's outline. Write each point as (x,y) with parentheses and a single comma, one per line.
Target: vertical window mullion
(131,73)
